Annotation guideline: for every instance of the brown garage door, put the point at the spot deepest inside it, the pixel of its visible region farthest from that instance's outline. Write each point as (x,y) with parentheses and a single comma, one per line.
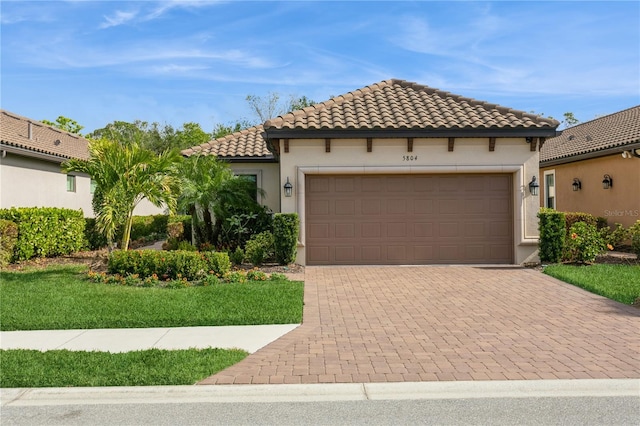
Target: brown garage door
(409,219)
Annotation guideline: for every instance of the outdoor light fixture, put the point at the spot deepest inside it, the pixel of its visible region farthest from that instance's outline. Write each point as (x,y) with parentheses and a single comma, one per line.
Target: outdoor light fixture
(607,182)
(288,188)
(534,186)
(577,185)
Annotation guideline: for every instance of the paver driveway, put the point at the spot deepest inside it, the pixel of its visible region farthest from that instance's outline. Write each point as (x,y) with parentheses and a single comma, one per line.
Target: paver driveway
(394,324)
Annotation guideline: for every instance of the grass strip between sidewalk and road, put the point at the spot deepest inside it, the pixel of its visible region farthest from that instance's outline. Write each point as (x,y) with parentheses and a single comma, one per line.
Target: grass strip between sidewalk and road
(617,282)
(153,367)
(61,297)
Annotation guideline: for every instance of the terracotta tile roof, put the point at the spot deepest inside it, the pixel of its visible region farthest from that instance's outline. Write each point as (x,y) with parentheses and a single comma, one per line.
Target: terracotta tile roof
(391,105)
(399,104)
(602,134)
(245,143)
(14,132)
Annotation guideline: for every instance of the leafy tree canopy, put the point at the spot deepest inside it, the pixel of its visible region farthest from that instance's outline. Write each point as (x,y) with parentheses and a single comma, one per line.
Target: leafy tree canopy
(66,124)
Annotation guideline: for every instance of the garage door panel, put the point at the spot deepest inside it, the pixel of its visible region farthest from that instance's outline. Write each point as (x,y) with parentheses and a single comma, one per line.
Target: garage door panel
(345,254)
(345,230)
(396,230)
(437,219)
(345,207)
(371,184)
(372,253)
(318,230)
(396,206)
(423,229)
(370,207)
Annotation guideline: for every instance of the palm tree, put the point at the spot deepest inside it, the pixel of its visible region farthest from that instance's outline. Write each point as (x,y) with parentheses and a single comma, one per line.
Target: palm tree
(206,185)
(124,174)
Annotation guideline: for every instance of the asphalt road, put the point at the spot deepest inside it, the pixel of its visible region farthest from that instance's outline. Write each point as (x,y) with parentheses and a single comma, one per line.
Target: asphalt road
(464,411)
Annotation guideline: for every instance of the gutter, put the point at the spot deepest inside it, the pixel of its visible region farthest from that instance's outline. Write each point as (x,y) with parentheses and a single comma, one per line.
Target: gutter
(633,147)
(33,154)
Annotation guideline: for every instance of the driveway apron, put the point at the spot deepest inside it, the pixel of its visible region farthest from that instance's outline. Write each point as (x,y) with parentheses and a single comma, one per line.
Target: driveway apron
(430,323)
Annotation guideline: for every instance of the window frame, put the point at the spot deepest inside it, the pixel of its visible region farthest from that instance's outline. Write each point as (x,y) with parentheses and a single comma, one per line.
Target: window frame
(550,190)
(71,183)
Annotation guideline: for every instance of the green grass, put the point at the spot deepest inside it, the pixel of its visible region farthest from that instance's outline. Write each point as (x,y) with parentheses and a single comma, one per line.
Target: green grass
(617,282)
(62,298)
(62,368)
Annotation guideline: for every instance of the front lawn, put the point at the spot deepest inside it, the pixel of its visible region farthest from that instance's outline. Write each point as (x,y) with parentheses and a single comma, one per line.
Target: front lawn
(61,297)
(617,282)
(62,368)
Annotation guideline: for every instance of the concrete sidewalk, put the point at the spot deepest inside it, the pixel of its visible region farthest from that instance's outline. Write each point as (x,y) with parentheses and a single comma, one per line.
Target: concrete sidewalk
(247,337)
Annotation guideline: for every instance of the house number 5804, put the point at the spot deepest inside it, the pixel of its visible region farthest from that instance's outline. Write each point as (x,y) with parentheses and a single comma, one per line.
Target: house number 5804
(409,157)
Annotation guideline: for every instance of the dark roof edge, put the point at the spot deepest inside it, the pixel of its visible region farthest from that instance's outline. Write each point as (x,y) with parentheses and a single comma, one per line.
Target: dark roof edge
(27,152)
(408,133)
(589,155)
(269,159)
(597,118)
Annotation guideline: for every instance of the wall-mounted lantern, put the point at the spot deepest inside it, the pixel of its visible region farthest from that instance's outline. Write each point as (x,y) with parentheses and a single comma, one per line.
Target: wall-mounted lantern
(607,182)
(288,188)
(534,186)
(576,185)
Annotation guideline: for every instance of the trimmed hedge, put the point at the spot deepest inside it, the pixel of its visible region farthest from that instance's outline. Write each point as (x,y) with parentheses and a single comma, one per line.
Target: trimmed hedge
(8,240)
(286,227)
(553,232)
(46,231)
(169,265)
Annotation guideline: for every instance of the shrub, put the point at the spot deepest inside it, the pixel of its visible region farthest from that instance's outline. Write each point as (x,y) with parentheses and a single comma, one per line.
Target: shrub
(46,231)
(95,239)
(259,248)
(145,226)
(256,275)
(175,230)
(236,277)
(8,240)
(584,243)
(614,237)
(186,246)
(217,262)
(237,256)
(276,276)
(552,235)
(572,218)
(166,265)
(285,231)
(634,233)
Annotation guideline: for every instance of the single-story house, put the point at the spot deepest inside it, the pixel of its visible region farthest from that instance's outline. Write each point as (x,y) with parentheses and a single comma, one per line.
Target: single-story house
(30,174)
(399,173)
(594,167)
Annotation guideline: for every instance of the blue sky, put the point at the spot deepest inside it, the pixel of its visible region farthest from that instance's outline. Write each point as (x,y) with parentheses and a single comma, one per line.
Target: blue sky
(179,61)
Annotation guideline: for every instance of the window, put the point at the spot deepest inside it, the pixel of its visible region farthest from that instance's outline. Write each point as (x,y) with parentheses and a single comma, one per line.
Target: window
(255,177)
(92,186)
(254,181)
(71,183)
(550,189)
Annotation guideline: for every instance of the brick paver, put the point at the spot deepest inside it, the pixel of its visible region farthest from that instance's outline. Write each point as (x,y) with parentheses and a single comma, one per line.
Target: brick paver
(395,324)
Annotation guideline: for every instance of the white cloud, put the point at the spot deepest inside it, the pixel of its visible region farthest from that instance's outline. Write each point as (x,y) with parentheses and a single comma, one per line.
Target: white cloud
(118,18)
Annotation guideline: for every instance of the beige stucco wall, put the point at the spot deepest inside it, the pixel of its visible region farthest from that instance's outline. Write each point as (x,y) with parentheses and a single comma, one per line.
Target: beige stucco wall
(30,182)
(268,178)
(429,155)
(619,204)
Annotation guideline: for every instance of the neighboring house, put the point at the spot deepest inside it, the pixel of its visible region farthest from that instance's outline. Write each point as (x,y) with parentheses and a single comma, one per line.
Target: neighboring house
(594,167)
(30,173)
(400,173)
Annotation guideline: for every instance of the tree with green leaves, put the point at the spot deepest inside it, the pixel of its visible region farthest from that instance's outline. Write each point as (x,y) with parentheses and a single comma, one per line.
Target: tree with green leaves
(66,124)
(154,136)
(207,187)
(125,173)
